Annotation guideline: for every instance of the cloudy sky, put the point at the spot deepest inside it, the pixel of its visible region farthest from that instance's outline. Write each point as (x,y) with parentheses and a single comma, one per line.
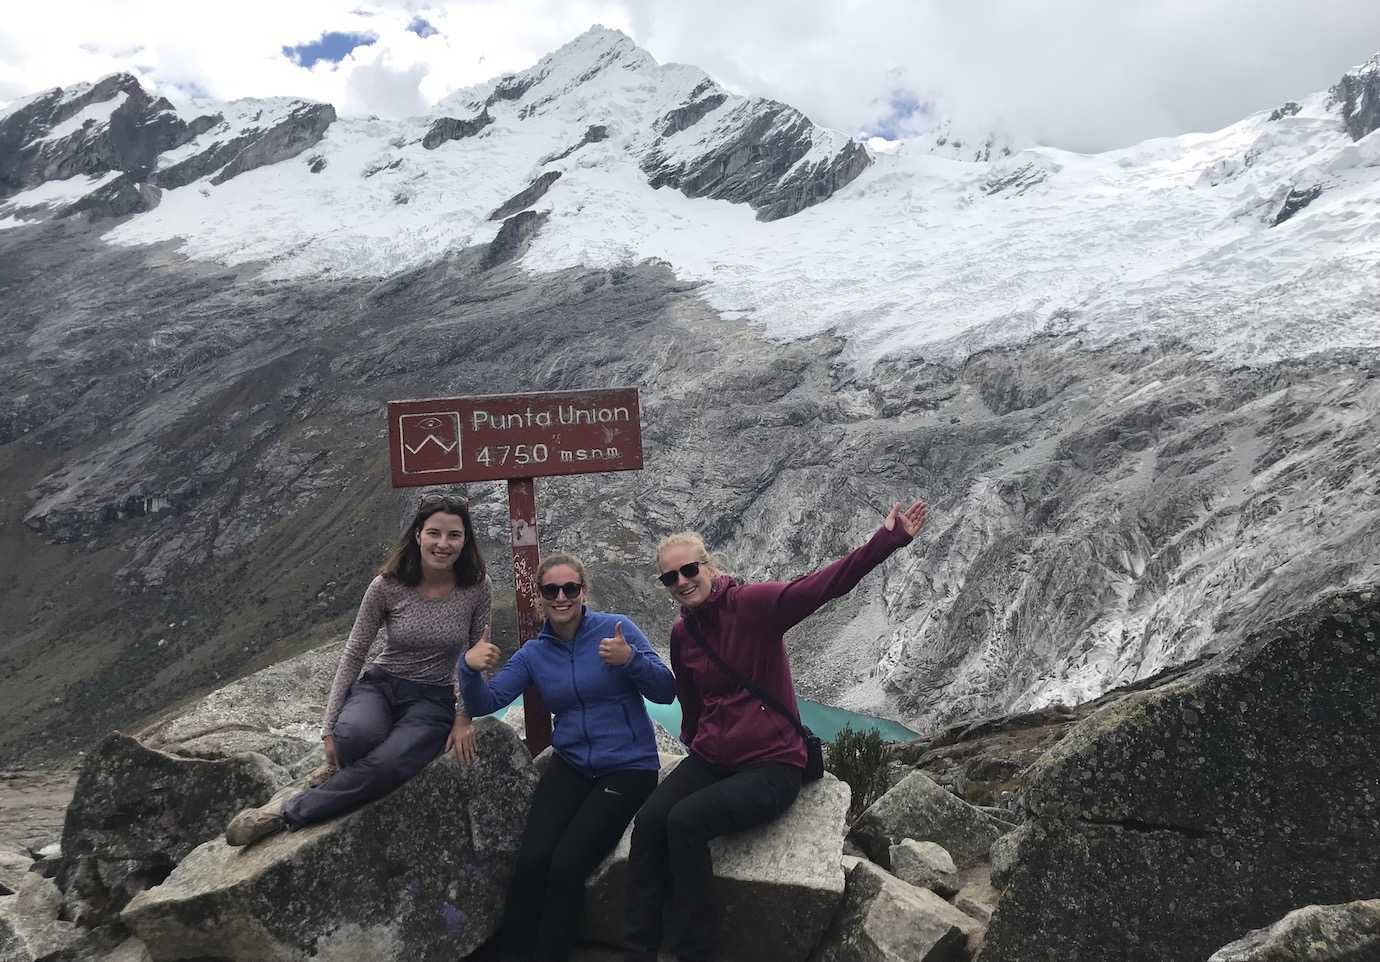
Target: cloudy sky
(1080,74)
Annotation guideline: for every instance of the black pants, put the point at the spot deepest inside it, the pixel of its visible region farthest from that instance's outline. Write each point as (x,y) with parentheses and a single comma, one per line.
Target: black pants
(573,823)
(388,730)
(670,846)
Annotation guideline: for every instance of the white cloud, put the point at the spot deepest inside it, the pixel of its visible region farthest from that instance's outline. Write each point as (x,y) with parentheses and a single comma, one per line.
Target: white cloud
(1084,74)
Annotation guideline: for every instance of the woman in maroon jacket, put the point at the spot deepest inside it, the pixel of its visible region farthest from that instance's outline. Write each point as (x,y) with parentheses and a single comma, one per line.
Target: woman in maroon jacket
(745,761)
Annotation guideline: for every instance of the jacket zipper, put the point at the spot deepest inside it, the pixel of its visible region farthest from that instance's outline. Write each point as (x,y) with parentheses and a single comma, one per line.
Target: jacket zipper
(584,716)
(627,720)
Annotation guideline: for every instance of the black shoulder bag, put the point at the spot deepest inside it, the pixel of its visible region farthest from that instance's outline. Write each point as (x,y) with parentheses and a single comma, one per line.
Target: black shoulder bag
(814,749)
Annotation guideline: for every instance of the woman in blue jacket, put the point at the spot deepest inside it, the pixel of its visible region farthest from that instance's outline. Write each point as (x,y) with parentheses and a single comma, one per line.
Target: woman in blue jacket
(593,669)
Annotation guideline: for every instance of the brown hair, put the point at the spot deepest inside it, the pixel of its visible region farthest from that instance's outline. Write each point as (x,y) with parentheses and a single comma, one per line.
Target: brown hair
(405,562)
(562,558)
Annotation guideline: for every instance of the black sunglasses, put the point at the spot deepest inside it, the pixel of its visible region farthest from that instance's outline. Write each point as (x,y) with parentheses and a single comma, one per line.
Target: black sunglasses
(443,502)
(552,590)
(668,578)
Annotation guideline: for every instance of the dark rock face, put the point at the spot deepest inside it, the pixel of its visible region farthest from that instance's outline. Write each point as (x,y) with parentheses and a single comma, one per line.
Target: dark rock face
(119,198)
(687,115)
(137,812)
(1297,200)
(1287,109)
(511,87)
(512,238)
(1315,933)
(1358,94)
(526,197)
(418,876)
(759,165)
(593,135)
(918,808)
(138,130)
(884,919)
(446,129)
(302,128)
(1169,823)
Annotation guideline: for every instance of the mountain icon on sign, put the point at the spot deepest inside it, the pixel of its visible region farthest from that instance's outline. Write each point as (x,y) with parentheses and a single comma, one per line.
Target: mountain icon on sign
(430,442)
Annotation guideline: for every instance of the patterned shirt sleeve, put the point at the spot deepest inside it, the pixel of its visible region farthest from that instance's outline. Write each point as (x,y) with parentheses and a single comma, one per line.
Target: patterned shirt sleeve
(373,610)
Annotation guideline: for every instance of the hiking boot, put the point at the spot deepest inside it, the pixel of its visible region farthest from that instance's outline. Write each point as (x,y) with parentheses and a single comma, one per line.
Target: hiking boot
(253,824)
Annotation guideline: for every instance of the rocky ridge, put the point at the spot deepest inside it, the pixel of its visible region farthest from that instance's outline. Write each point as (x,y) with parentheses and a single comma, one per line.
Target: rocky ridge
(196,443)
(1192,795)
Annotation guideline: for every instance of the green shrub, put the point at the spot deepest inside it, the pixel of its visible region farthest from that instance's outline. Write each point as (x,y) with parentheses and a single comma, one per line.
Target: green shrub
(859,758)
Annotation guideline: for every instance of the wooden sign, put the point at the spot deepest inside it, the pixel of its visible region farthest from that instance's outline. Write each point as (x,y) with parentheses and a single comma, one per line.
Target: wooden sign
(504,436)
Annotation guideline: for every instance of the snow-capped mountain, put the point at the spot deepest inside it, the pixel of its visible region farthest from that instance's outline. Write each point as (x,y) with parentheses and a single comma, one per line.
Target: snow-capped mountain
(1139,386)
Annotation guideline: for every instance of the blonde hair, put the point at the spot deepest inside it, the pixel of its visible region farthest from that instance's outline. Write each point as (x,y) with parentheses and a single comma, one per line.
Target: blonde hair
(689,539)
(559,558)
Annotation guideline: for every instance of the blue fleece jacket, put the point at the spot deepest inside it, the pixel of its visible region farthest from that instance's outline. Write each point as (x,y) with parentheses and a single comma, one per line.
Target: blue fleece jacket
(601,722)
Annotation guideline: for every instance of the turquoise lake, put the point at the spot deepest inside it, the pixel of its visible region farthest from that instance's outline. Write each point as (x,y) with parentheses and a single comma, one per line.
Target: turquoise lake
(824,720)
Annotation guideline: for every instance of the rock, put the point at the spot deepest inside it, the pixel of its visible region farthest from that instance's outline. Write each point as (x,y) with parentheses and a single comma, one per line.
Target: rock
(919,808)
(133,802)
(24,938)
(130,950)
(925,865)
(119,198)
(754,158)
(303,127)
(1173,820)
(445,129)
(38,897)
(691,113)
(777,885)
(1003,815)
(977,899)
(1358,95)
(883,919)
(276,712)
(1003,855)
(14,868)
(138,128)
(137,812)
(511,240)
(527,196)
(1314,933)
(1296,200)
(418,875)
(594,133)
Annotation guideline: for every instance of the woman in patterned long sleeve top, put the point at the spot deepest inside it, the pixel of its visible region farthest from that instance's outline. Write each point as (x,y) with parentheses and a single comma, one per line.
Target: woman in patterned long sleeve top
(428,604)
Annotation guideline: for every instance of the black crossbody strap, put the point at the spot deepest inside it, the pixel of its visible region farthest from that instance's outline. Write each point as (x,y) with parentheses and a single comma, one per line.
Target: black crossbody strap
(723,666)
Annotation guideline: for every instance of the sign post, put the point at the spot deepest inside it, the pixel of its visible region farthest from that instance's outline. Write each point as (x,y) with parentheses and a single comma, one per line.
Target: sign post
(516,438)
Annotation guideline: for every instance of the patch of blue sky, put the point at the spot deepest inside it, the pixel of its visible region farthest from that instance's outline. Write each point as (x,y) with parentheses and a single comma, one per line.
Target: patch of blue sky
(421,28)
(332,46)
(899,119)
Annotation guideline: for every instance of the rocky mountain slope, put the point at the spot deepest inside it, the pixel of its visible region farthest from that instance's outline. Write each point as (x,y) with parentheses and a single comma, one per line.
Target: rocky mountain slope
(1140,388)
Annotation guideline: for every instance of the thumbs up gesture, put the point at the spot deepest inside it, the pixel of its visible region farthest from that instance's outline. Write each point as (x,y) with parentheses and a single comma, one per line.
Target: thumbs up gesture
(615,651)
(484,655)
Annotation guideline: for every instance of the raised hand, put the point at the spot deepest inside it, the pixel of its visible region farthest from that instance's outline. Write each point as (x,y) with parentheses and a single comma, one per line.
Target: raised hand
(912,519)
(484,655)
(615,651)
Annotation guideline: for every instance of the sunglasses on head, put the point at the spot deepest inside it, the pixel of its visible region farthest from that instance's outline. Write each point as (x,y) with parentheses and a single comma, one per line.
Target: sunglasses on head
(443,502)
(668,578)
(552,590)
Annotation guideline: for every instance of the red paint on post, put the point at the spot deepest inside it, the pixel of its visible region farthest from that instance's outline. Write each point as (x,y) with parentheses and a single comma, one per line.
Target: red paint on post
(503,436)
(522,515)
